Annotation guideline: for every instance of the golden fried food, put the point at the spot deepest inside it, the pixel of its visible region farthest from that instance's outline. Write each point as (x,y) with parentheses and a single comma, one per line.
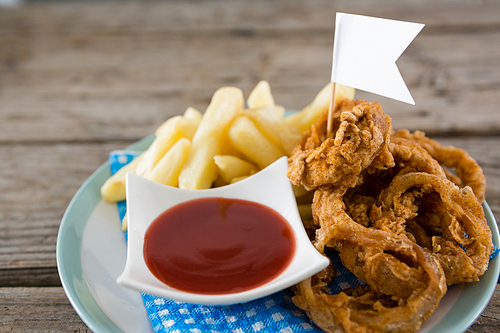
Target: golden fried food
(411,157)
(361,136)
(405,283)
(387,203)
(467,169)
(408,157)
(464,248)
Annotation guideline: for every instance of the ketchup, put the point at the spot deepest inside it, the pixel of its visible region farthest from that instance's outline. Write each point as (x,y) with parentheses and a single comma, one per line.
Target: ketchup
(218,246)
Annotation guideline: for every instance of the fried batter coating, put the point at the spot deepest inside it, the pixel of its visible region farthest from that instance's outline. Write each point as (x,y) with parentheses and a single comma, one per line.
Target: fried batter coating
(467,169)
(462,219)
(358,207)
(411,157)
(387,204)
(408,157)
(361,136)
(371,311)
(405,282)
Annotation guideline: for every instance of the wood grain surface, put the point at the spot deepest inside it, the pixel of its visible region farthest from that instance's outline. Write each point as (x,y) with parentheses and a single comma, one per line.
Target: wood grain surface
(79,79)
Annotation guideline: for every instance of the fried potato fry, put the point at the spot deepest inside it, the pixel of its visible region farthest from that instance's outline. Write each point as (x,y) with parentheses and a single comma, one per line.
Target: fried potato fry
(199,170)
(246,137)
(113,190)
(218,182)
(311,113)
(185,125)
(231,167)
(280,111)
(192,113)
(195,151)
(260,96)
(274,128)
(160,146)
(124,225)
(228,149)
(167,135)
(237,179)
(168,168)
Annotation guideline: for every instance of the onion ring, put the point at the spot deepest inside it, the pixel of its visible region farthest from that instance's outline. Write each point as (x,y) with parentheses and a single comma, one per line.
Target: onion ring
(463,222)
(398,218)
(382,307)
(466,167)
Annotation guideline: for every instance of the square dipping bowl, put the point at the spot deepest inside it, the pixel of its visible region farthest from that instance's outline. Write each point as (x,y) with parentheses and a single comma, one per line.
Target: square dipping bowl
(146,200)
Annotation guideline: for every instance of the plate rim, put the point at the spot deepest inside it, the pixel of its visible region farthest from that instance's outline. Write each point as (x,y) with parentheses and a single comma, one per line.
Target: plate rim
(73,282)
(469,291)
(89,311)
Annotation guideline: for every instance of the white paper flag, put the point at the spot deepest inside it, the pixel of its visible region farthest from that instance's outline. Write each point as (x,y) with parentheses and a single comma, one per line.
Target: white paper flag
(365,51)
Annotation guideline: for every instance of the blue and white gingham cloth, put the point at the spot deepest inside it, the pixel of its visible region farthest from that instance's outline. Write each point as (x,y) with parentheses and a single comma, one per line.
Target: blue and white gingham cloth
(274,313)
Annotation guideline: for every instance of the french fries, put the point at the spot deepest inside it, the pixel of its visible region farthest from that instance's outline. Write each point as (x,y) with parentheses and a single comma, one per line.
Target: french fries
(232,167)
(167,135)
(311,113)
(225,144)
(282,135)
(200,170)
(246,137)
(168,168)
(113,189)
(186,124)
(160,146)
(260,96)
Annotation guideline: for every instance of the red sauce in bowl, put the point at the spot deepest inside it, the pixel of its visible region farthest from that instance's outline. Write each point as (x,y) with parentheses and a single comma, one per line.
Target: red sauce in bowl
(218,246)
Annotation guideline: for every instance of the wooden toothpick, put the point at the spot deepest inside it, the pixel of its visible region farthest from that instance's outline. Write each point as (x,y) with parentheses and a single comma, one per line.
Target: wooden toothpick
(331,109)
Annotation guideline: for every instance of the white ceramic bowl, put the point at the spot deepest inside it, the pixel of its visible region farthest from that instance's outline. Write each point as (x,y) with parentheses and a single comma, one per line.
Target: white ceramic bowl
(146,200)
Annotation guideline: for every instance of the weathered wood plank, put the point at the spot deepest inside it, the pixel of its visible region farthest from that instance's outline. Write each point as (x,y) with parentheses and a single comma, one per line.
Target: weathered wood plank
(38,310)
(100,72)
(121,102)
(30,277)
(37,184)
(48,310)
(489,320)
(185,16)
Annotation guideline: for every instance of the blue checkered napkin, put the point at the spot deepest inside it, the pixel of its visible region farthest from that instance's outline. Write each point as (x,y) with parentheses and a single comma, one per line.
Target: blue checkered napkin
(274,313)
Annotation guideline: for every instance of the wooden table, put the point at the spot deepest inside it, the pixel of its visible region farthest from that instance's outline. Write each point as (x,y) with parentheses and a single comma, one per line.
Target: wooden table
(80,79)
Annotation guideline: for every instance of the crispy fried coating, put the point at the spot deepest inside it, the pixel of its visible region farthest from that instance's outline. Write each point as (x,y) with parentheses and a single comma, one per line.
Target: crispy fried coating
(411,157)
(358,206)
(467,170)
(408,157)
(361,136)
(464,248)
(405,282)
(399,219)
(369,311)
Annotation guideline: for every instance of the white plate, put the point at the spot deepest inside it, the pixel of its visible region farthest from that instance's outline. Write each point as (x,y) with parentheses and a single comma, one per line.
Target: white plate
(91,253)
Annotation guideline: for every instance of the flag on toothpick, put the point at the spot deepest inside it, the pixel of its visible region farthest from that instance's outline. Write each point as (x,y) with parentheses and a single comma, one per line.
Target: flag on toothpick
(365,51)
